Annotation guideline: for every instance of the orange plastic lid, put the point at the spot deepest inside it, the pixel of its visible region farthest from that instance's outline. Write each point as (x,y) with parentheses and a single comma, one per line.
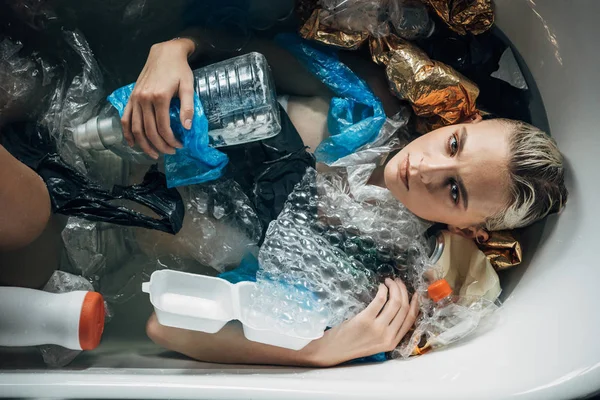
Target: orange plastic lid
(91,321)
(439,290)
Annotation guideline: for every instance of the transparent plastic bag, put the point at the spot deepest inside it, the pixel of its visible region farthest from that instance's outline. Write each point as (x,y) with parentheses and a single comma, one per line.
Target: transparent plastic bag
(62,282)
(219,228)
(26,82)
(357,16)
(75,102)
(378,18)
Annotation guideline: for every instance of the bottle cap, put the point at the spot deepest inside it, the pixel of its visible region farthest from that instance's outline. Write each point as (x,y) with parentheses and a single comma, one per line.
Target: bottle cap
(98,133)
(91,321)
(439,289)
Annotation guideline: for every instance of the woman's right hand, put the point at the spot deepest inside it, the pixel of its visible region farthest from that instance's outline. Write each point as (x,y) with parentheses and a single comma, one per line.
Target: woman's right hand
(378,328)
(167,74)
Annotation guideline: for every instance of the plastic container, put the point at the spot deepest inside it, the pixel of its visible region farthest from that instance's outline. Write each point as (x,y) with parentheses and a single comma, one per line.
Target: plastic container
(206,304)
(29,317)
(239,100)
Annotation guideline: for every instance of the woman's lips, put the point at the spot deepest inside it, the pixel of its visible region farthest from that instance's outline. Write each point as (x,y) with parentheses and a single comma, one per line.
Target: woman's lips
(403,171)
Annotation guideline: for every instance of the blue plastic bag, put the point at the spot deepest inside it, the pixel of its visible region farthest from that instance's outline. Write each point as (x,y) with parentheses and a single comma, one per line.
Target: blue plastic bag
(356,116)
(197,162)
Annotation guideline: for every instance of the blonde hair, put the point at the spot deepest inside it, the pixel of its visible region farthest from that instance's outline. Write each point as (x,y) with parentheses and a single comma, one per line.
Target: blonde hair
(536,176)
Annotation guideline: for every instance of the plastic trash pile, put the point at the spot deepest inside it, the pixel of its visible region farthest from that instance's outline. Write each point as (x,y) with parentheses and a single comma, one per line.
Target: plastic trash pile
(323,249)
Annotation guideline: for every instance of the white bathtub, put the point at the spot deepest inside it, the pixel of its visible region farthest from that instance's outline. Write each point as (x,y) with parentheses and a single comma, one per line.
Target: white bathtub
(546,344)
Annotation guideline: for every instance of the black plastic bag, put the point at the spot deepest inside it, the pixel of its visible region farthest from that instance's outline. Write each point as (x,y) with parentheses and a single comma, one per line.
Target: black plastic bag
(74,194)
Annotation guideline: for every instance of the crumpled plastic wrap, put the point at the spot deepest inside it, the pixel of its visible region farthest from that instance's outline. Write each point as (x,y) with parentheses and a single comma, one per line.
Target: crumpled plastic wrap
(462,16)
(26,81)
(196,162)
(357,16)
(348,23)
(435,91)
(220,226)
(355,116)
(443,326)
(74,103)
(61,282)
(502,249)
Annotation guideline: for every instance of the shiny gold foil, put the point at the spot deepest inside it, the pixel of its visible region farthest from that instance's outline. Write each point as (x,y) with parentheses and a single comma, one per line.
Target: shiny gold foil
(462,16)
(315,29)
(435,90)
(502,249)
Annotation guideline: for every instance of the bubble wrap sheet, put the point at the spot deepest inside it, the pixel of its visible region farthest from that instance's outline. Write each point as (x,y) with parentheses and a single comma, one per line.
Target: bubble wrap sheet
(328,250)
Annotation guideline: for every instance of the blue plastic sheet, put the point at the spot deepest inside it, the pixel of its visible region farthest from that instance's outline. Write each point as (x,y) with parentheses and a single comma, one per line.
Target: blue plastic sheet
(197,162)
(356,116)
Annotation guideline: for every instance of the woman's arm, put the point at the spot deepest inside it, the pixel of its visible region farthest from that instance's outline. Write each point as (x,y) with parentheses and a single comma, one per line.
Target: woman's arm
(378,328)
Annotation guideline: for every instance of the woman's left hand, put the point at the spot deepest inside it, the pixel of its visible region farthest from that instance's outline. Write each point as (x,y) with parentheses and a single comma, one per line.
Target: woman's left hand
(167,74)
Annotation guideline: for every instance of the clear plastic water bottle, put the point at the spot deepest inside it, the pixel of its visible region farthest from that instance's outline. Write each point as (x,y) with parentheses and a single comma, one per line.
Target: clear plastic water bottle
(239,100)
(452,318)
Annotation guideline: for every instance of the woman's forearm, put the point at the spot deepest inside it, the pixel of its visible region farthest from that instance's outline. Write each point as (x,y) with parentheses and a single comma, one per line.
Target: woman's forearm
(228,346)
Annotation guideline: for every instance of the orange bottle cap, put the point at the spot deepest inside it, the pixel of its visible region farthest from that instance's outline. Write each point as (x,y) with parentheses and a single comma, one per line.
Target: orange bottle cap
(91,321)
(439,289)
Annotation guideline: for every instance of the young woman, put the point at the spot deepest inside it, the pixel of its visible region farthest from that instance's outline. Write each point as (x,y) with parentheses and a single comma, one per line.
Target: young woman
(476,177)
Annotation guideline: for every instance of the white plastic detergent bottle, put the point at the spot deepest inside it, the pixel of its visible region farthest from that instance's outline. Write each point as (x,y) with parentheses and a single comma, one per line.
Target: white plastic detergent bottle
(29,317)
(238,97)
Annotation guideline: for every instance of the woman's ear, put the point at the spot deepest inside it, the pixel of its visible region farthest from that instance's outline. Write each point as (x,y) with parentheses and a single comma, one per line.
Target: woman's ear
(473,119)
(473,232)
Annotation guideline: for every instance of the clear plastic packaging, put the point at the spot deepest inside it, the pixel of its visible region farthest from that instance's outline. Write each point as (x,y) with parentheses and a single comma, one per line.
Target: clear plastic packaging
(61,282)
(407,18)
(445,319)
(26,82)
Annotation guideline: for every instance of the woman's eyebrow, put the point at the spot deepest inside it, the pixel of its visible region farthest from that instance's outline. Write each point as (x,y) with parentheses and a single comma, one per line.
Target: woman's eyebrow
(462,139)
(463,192)
(461,186)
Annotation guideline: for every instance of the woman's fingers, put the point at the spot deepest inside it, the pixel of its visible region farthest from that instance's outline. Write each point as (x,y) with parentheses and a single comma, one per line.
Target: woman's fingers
(163,121)
(137,129)
(396,320)
(409,319)
(126,124)
(186,98)
(151,130)
(373,309)
(394,302)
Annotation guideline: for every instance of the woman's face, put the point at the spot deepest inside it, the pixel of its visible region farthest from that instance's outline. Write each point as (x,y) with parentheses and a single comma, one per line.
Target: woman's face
(455,175)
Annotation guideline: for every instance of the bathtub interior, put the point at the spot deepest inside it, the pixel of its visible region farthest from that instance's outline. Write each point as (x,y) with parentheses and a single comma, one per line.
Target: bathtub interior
(543,344)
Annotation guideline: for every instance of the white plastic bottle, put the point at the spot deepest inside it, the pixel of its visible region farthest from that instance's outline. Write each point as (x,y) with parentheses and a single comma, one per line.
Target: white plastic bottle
(29,317)
(238,97)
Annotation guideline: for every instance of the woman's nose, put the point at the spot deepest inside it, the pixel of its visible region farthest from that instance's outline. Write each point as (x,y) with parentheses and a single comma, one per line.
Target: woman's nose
(433,170)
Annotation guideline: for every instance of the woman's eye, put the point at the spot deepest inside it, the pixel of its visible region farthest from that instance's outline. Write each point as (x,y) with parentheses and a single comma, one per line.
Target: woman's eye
(454,192)
(453,145)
